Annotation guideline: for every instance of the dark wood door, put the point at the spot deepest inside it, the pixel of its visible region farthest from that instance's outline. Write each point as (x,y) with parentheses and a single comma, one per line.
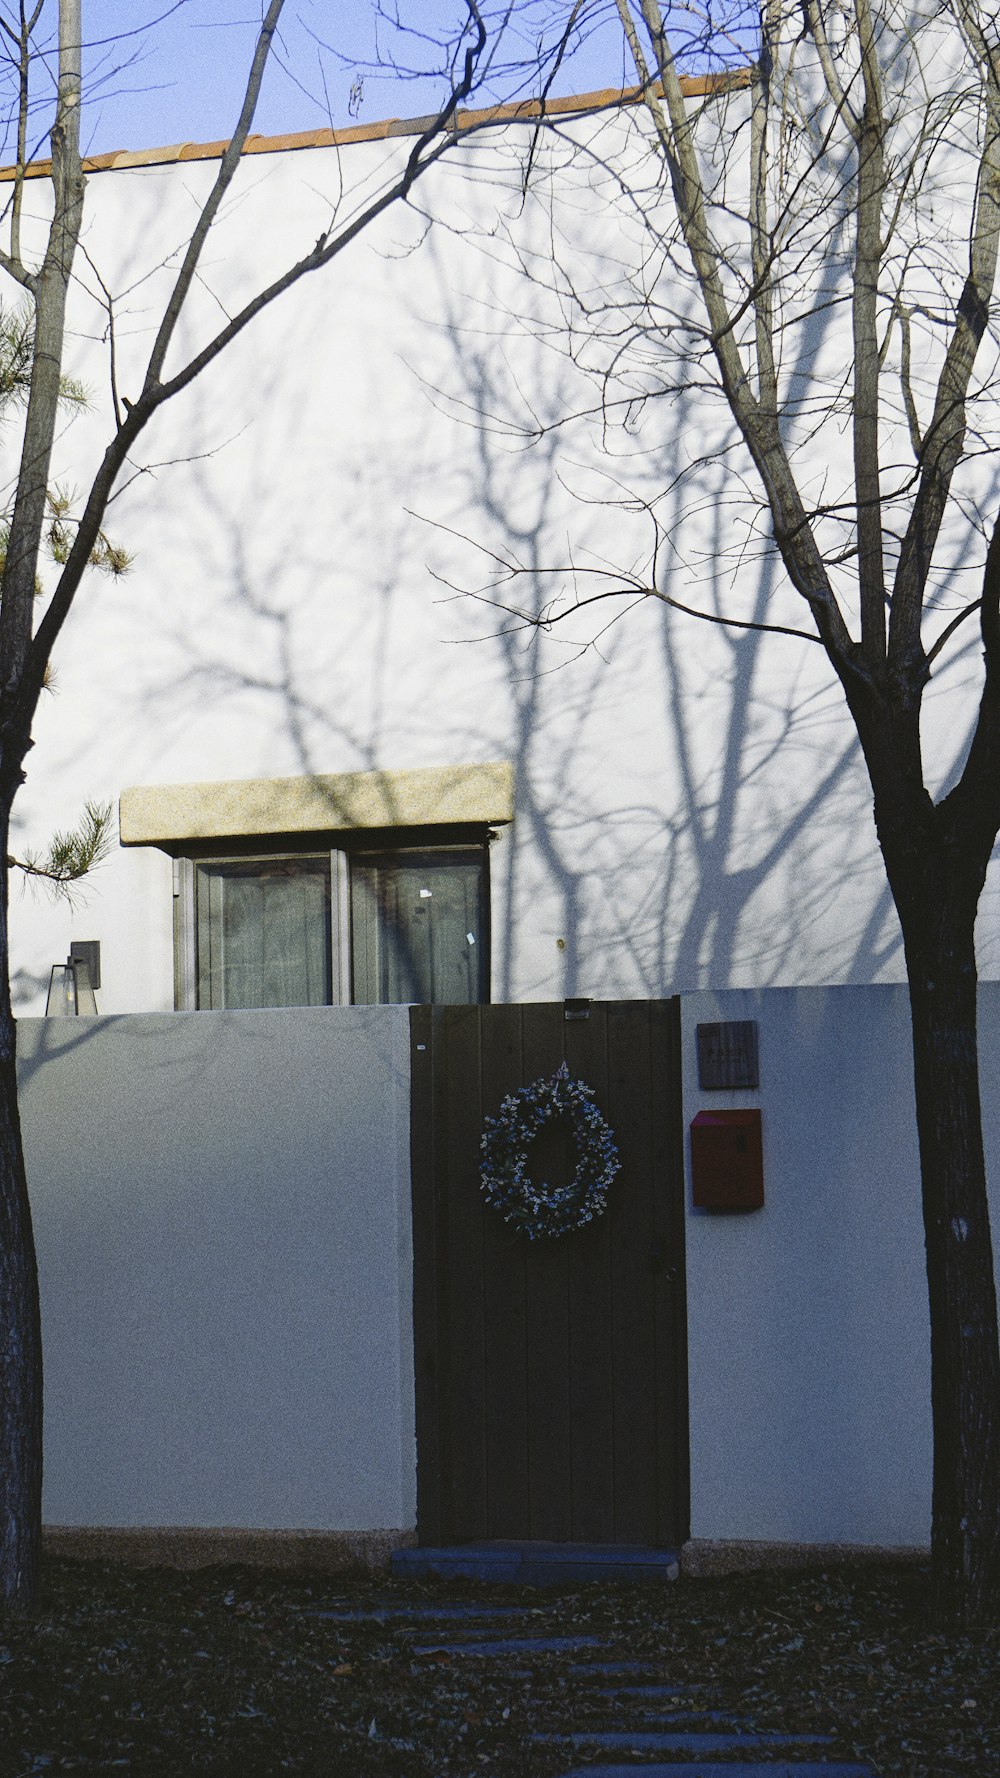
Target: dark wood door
(550,1375)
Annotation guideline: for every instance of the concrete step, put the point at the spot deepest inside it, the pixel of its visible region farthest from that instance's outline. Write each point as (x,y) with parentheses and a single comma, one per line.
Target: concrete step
(509,1645)
(600,1671)
(538,1564)
(646,1740)
(645,1694)
(390,1613)
(755,1768)
(675,1719)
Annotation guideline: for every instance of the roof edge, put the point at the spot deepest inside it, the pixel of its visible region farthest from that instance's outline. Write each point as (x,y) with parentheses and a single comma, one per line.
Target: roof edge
(694,86)
(168,815)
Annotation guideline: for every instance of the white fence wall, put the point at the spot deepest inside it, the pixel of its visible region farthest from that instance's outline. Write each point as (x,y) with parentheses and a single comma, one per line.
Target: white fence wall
(808,1321)
(222,1213)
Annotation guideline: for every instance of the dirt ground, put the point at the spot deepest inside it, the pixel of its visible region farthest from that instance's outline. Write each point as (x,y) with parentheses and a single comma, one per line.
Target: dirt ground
(229,1671)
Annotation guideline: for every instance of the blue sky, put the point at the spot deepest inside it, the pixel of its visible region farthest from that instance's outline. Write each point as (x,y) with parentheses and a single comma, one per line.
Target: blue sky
(177,75)
(166,71)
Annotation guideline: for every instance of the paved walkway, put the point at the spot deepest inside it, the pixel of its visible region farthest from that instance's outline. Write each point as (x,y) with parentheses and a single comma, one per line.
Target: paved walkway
(638,1715)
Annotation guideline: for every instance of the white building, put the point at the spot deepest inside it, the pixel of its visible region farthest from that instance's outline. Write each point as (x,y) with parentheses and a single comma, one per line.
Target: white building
(677,805)
(343,776)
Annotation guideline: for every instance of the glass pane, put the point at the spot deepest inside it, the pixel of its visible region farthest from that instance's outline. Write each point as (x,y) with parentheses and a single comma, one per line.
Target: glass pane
(418,927)
(263,933)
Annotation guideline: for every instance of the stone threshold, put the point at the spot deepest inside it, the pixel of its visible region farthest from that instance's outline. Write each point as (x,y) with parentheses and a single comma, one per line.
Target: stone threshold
(187,1547)
(710,1556)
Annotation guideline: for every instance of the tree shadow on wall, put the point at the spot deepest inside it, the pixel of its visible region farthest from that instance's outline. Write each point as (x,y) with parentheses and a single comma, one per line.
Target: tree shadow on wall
(692,790)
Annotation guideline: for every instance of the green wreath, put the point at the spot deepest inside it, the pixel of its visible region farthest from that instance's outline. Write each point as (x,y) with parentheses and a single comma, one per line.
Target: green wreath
(545,1210)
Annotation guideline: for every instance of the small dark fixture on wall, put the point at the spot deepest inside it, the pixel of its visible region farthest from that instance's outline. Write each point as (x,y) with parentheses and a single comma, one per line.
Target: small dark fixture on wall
(88,951)
(727,1055)
(72,984)
(727,1162)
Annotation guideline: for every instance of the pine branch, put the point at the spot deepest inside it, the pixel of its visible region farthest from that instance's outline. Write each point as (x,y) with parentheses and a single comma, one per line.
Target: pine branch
(72,855)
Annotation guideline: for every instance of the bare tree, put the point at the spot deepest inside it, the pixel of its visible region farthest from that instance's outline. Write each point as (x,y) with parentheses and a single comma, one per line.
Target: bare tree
(695,885)
(814,244)
(29,626)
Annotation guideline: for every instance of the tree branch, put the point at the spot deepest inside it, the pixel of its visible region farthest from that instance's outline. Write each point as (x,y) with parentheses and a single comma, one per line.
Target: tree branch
(950,628)
(227,168)
(905,381)
(434,141)
(838,97)
(634,589)
(867,364)
(972,810)
(760,245)
(72,856)
(793,531)
(22,41)
(51,284)
(945,437)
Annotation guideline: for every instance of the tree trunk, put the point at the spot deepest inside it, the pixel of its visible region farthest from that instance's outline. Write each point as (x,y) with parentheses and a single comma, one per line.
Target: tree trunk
(965,1363)
(20,1327)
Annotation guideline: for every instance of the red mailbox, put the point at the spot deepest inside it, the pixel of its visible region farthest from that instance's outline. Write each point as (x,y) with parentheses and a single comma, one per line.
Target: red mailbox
(727,1162)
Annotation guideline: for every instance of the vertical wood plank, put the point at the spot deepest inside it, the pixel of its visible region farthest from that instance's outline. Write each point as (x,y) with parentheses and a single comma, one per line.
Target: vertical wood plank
(591,1379)
(670,1298)
(429,1351)
(636,1382)
(504,1305)
(465,1502)
(547,1325)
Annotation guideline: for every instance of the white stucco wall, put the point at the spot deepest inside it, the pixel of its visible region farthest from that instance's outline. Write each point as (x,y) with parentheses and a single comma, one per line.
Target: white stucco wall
(691,808)
(223,1223)
(221,1204)
(809,1355)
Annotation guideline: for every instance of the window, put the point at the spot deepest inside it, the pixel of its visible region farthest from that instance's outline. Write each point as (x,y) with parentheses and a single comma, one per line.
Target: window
(407,923)
(418,922)
(363,886)
(262,932)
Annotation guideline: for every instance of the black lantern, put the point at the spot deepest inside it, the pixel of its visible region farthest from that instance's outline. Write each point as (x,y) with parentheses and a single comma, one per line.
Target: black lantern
(71,991)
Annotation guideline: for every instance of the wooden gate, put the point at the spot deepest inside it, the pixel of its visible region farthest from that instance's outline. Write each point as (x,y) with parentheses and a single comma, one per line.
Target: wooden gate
(550,1375)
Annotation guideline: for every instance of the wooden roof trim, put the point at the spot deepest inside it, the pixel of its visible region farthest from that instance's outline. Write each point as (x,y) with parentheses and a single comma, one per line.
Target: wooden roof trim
(696,86)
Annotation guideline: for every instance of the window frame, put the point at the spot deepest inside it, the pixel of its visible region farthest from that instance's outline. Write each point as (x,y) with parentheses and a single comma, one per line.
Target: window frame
(434,856)
(371,842)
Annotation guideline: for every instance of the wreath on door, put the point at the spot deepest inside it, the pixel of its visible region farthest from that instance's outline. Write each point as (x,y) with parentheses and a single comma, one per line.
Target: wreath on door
(545,1210)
